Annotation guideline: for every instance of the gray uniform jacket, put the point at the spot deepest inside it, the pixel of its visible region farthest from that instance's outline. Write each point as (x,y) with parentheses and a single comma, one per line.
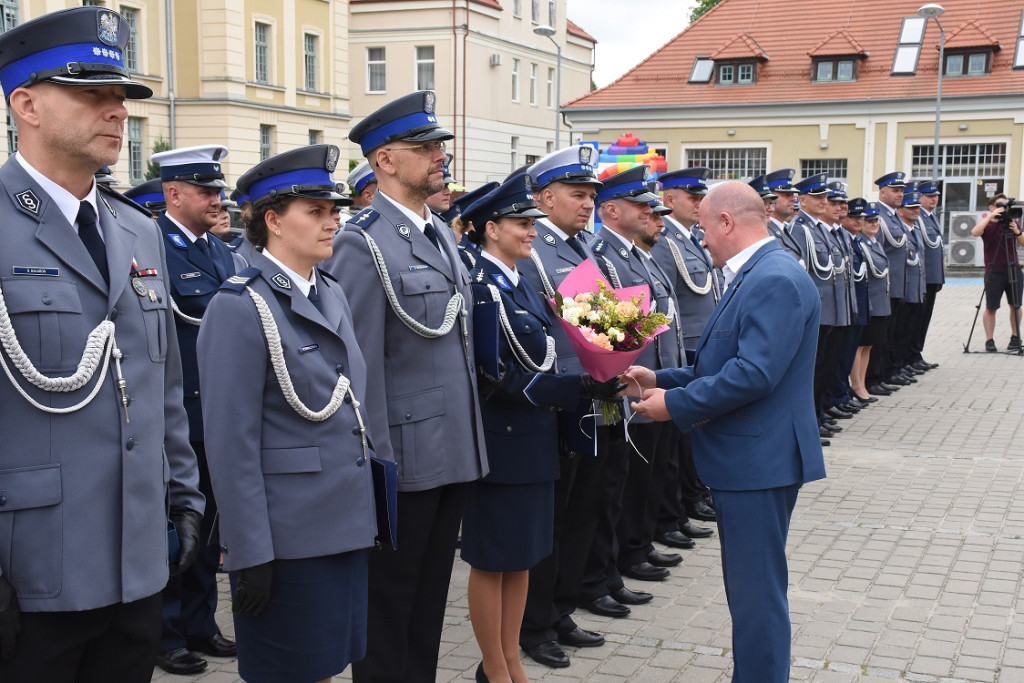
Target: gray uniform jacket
(83,495)
(779,230)
(878,279)
(914,276)
(693,308)
(817,249)
(286,487)
(894,239)
(934,255)
(846,297)
(432,421)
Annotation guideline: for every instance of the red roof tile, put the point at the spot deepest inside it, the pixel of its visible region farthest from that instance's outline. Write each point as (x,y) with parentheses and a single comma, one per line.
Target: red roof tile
(488,3)
(789,36)
(575,30)
(741,46)
(839,43)
(970,34)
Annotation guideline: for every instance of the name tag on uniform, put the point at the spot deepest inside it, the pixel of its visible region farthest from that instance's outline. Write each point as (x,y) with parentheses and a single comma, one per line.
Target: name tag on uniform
(564,270)
(522,312)
(639,281)
(36,270)
(308,348)
(189,276)
(422,266)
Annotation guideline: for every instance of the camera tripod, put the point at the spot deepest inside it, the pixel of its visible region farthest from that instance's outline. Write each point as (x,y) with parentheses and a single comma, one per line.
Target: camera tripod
(1012,277)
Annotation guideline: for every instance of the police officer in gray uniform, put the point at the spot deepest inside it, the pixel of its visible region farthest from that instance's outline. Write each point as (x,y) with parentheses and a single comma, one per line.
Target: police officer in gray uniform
(894,238)
(95,454)
(912,308)
(934,268)
(412,303)
(565,188)
(197,264)
(778,193)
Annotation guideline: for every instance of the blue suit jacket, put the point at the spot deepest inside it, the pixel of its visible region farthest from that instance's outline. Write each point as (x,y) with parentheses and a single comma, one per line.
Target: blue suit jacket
(747,399)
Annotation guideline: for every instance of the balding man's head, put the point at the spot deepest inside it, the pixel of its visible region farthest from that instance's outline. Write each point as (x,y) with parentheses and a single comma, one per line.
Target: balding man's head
(732,217)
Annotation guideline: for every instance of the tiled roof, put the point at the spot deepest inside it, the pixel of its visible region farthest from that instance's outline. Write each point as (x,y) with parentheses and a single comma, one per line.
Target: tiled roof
(791,35)
(487,3)
(741,46)
(575,30)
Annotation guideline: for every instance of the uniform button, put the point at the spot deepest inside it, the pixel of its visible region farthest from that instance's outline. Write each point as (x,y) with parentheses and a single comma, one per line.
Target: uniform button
(127,400)
(3,500)
(428,286)
(361,461)
(160,299)
(339,368)
(355,430)
(130,444)
(196,393)
(508,429)
(348,398)
(113,314)
(408,416)
(527,328)
(47,300)
(196,291)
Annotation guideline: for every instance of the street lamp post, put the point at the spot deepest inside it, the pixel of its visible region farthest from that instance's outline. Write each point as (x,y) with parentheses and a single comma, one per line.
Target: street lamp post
(934,11)
(549,33)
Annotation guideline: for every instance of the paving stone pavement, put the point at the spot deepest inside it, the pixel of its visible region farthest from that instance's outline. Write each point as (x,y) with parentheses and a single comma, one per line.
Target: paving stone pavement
(905,563)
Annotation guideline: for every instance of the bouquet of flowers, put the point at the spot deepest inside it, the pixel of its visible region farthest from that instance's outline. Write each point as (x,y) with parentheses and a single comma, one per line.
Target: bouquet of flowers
(607,327)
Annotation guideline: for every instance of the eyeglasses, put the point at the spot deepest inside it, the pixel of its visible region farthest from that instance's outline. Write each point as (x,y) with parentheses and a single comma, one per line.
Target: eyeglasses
(430,147)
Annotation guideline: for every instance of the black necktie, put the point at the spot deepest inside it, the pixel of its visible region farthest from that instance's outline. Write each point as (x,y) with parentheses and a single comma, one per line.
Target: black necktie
(204,247)
(431,232)
(314,298)
(90,236)
(576,245)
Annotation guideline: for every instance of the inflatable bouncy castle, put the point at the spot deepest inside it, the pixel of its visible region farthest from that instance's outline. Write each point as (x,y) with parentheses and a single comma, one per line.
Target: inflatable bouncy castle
(628,151)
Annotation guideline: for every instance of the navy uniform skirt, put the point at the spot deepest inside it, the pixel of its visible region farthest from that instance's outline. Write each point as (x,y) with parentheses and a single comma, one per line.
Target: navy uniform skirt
(508,527)
(314,626)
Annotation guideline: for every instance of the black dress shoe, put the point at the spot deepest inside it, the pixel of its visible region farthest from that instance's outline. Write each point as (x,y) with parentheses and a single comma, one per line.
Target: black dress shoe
(897,381)
(825,442)
(215,646)
(921,366)
(549,654)
(675,539)
(607,606)
(659,559)
(837,413)
(823,433)
(580,638)
(702,511)
(878,390)
(906,377)
(624,596)
(864,402)
(851,406)
(691,530)
(481,677)
(180,661)
(645,571)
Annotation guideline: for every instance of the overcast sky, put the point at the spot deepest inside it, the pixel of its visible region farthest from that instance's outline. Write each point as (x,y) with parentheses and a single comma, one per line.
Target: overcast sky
(628,32)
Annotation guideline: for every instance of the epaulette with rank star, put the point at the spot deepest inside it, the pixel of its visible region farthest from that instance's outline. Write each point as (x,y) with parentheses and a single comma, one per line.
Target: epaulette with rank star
(479,276)
(237,282)
(599,246)
(364,218)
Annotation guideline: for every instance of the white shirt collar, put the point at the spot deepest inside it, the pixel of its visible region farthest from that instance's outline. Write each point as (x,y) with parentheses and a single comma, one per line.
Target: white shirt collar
(628,243)
(734,265)
(301,283)
(191,236)
(679,226)
(554,228)
(511,274)
(67,203)
(419,221)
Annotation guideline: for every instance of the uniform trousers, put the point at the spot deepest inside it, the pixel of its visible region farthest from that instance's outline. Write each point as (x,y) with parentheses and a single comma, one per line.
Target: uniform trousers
(894,343)
(928,307)
(641,501)
(824,364)
(408,589)
(682,486)
(913,314)
(190,598)
(113,643)
(753,527)
(848,342)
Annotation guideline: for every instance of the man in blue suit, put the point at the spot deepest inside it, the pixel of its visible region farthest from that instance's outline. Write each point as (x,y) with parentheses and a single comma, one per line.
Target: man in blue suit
(747,403)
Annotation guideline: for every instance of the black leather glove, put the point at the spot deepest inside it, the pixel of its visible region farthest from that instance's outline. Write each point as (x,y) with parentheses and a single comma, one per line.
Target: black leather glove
(10,619)
(591,388)
(252,592)
(186,521)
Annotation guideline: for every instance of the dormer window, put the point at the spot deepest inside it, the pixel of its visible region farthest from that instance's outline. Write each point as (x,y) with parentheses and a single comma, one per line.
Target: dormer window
(835,69)
(737,73)
(968,64)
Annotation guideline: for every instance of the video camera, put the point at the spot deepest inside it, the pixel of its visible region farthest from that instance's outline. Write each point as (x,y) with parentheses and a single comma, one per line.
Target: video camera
(1010,213)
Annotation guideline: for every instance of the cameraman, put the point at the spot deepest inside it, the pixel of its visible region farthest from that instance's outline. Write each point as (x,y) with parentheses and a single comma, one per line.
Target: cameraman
(1000,238)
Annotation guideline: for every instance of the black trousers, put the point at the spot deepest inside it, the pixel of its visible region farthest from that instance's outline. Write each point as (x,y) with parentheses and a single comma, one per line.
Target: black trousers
(190,598)
(641,501)
(113,643)
(894,343)
(603,545)
(825,359)
(408,589)
(913,314)
(928,307)
(682,485)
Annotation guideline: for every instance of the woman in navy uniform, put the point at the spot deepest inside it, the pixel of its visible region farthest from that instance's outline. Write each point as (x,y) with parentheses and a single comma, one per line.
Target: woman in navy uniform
(286,441)
(508,522)
(876,265)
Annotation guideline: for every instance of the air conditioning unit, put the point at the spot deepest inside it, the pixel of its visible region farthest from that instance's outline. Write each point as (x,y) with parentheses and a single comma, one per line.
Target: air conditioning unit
(496,59)
(964,249)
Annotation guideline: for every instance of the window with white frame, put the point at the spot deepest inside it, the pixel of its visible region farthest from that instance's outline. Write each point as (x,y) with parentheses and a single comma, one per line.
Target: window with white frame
(730,163)
(984,160)
(968,63)
(136,156)
(261,53)
(837,169)
(310,51)
(266,141)
(315,136)
(12,134)
(425,67)
(8,14)
(517,8)
(551,88)
(515,80)
(131,48)
(533,84)
(535,11)
(551,13)
(514,149)
(376,70)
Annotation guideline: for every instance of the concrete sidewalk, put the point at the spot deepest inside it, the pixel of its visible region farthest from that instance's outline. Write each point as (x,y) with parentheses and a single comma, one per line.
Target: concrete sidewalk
(905,562)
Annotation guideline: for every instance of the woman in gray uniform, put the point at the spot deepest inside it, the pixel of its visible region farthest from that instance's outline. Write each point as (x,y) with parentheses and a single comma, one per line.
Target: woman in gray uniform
(284,413)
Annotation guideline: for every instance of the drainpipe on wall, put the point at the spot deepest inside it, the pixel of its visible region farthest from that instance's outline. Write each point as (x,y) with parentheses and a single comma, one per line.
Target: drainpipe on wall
(170,68)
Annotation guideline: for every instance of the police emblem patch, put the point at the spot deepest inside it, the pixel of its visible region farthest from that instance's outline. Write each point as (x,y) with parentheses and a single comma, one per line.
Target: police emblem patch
(623,253)
(332,158)
(502,282)
(107,27)
(139,286)
(27,200)
(586,154)
(403,230)
(550,239)
(679,236)
(282,281)
(177,240)
(428,102)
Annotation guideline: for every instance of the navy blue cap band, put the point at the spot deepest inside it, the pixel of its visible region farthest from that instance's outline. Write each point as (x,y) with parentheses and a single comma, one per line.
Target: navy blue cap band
(567,173)
(187,172)
(21,71)
(405,125)
(307,177)
(364,181)
(149,198)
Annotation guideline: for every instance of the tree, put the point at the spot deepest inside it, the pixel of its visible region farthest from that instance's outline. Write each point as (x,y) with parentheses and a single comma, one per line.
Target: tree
(702,7)
(153,169)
